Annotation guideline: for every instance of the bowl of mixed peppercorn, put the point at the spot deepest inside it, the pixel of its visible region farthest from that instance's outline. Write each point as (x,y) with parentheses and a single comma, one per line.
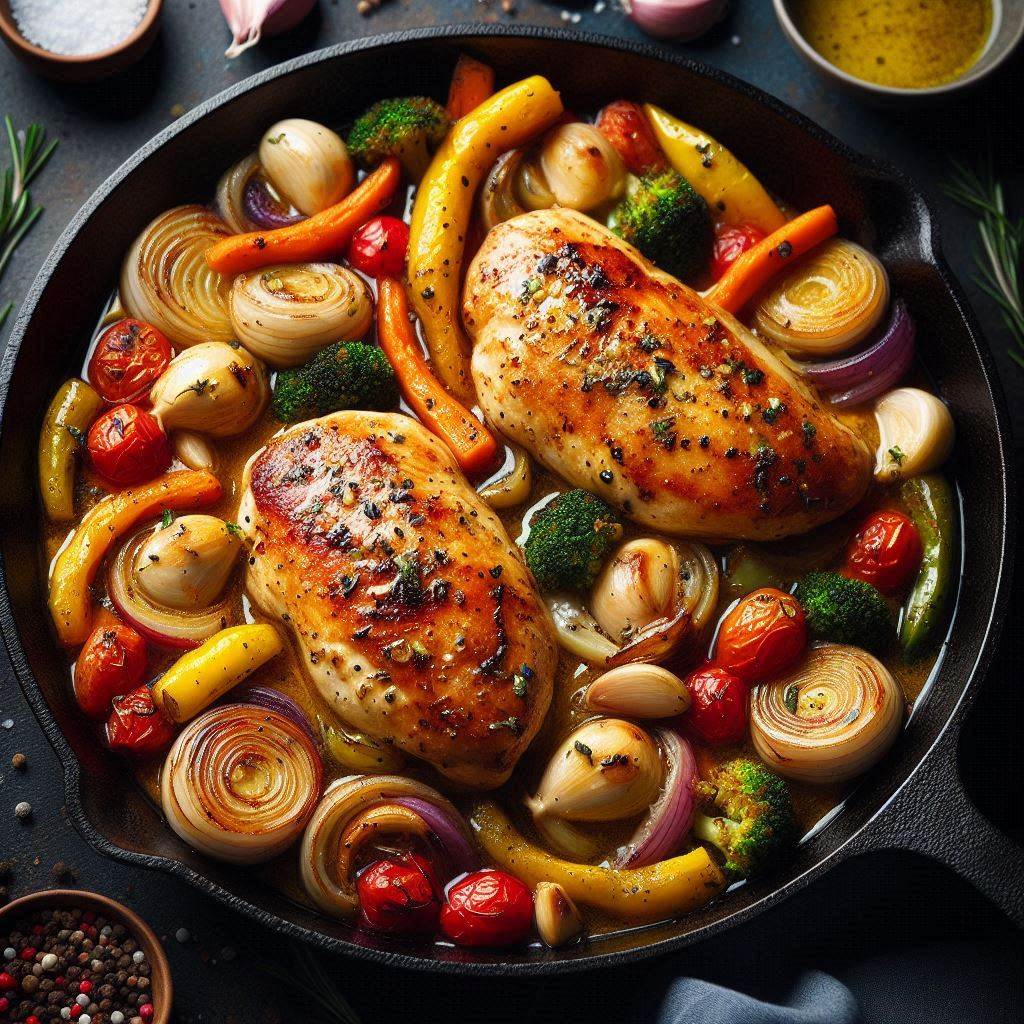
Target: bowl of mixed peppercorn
(69,955)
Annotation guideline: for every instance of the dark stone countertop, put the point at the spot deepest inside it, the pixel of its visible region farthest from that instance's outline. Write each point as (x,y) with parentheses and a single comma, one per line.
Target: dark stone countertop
(914,942)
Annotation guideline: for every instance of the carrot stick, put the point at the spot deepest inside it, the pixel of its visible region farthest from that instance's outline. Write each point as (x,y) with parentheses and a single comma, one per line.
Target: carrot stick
(319,237)
(758,265)
(472,444)
(472,83)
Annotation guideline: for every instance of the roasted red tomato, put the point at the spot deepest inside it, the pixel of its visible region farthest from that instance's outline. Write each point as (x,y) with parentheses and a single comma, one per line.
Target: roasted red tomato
(764,635)
(400,896)
(137,727)
(625,126)
(128,446)
(730,243)
(718,705)
(127,360)
(885,551)
(487,908)
(112,662)
(378,247)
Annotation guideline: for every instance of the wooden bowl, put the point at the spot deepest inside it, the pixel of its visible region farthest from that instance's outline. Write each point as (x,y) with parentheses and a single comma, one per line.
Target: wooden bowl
(161,985)
(88,67)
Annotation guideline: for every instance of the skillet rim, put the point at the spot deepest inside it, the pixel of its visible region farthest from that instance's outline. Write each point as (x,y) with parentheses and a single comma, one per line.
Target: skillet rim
(551,964)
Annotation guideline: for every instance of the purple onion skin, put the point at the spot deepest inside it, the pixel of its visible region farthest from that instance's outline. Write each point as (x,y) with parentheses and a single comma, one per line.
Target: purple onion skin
(263,209)
(461,855)
(274,700)
(876,385)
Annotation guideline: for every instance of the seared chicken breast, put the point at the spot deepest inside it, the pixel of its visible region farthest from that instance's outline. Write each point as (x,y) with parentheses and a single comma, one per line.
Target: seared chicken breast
(625,382)
(417,620)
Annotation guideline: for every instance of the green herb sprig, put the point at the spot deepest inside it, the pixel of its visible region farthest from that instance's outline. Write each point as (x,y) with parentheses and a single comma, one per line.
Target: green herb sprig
(1002,245)
(29,154)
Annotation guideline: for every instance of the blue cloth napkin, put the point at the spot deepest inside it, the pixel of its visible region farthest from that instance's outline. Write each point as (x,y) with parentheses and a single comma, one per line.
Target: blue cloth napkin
(816,998)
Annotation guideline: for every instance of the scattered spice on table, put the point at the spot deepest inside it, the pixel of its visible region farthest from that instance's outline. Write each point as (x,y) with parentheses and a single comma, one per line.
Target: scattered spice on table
(74,28)
(73,965)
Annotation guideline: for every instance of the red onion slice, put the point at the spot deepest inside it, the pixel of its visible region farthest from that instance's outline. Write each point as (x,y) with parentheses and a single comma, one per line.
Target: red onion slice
(661,833)
(462,857)
(263,209)
(896,341)
(274,700)
(884,380)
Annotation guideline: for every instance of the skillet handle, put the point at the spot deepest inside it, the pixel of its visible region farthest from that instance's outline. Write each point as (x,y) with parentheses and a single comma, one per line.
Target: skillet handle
(934,816)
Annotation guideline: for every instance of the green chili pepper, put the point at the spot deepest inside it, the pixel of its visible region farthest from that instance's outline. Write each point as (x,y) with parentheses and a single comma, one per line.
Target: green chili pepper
(69,416)
(929,501)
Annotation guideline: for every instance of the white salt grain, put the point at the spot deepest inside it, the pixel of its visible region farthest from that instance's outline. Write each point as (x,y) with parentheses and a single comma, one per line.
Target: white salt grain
(75,28)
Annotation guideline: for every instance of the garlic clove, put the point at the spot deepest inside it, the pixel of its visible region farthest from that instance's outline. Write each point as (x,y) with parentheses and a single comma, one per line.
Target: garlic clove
(187,564)
(193,450)
(307,163)
(580,166)
(637,586)
(915,433)
(577,630)
(638,691)
(606,770)
(559,921)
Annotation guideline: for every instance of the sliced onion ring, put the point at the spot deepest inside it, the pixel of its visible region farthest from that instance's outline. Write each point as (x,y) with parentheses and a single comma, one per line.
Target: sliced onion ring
(167,627)
(664,828)
(450,833)
(274,700)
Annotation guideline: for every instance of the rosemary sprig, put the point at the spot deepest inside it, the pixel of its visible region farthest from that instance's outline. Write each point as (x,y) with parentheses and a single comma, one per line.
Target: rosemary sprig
(1002,244)
(311,982)
(29,154)
(5,312)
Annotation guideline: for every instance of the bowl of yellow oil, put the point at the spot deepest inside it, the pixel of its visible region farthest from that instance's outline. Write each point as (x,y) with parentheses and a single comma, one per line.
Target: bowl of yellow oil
(903,50)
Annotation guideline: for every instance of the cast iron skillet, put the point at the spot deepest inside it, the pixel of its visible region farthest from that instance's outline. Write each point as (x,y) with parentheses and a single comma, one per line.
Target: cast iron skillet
(914,800)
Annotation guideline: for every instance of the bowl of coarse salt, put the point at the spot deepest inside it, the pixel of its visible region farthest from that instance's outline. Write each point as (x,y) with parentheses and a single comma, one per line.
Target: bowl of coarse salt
(79,40)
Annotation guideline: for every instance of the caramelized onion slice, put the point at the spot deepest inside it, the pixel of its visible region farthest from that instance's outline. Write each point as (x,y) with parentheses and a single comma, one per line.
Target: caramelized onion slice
(827,303)
(510,486)
(829,721)
(240,783)
(166,281)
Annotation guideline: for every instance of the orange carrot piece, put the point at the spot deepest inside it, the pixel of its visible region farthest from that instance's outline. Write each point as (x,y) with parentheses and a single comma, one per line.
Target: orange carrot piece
(473,445)
(758,265)
(472,83)
(322,236)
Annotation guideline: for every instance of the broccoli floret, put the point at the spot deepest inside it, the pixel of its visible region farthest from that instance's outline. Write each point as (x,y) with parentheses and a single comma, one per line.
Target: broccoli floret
(846,611)
(668,222)
(346,375)
(749,817)
(569,540)
(409,127)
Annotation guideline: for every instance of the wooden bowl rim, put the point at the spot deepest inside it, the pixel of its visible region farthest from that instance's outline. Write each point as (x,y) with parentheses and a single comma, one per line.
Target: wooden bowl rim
(162,983)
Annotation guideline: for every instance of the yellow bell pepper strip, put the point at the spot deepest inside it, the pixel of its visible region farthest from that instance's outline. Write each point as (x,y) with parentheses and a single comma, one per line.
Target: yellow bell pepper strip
(219,664)
(734,195)
(69,416)
(653,893)
(76,566)
(441,213)
(759,264)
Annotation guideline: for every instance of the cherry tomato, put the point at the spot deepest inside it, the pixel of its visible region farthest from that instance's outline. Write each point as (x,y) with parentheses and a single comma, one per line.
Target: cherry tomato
(885,551)
(765,634)
(625,126)
(730,243)
(378,247)
(112,662)
(127,360)
(137,727)
(718,705)
(127,445)
(400,897)
(487,908)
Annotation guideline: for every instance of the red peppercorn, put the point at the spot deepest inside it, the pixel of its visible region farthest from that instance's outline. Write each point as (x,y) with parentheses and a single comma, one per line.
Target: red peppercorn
(85,986)
(400,896)
(7,982)
(4,1004)
(487,908)
(28,953)
(76,1011)
(146,1011)
(718,705)
(32,1019)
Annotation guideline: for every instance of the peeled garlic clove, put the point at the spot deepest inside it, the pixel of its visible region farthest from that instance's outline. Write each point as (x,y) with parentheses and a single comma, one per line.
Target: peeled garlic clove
(215,388)
(606,770)
(581,167)
(187,564)
(638,691)
(915,433)
(577,630)
(193,450)
(637,586)
(559,921)
(307,163)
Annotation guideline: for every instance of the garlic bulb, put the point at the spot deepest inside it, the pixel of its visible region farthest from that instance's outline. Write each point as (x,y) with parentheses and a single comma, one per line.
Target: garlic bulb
(215,388)
(285,314)
(581,168)
(307,163)
(606,770)
(187,564)
(915,433)
(193,450)
(638,691)
(558,919)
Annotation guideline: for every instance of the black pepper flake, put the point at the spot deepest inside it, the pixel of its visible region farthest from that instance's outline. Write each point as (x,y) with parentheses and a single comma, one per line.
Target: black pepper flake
(606,476)
(704,441)
(371,510)
(785,250)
